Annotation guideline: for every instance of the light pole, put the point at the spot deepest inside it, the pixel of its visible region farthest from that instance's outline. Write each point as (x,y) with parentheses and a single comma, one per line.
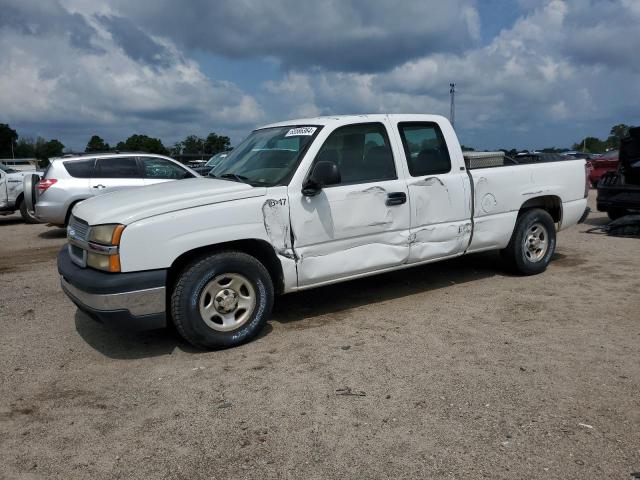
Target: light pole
(452,113)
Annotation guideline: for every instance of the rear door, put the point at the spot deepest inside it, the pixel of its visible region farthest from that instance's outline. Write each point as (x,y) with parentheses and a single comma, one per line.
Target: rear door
(159,170)
(440,207)
(115,173)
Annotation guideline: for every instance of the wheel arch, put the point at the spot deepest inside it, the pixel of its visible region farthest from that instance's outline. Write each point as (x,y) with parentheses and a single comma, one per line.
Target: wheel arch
(262,250)
(552,204)
(70,209)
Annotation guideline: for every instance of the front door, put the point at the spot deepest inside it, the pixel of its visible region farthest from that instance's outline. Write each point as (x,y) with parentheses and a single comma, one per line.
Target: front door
(440,205)
(115,173)
(361,224)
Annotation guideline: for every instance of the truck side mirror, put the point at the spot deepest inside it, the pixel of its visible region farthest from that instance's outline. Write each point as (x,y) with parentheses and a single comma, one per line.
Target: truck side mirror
(324,173)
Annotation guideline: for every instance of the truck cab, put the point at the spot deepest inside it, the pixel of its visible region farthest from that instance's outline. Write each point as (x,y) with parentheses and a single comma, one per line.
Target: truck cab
(301,204)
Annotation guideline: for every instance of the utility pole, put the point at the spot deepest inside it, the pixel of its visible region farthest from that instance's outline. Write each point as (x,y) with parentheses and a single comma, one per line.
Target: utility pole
(452,113)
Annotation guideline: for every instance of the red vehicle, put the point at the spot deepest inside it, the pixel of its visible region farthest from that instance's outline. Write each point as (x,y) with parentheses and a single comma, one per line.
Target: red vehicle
(608,162)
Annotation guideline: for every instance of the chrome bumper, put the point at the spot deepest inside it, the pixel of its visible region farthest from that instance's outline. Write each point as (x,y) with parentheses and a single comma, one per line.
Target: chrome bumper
(137,303)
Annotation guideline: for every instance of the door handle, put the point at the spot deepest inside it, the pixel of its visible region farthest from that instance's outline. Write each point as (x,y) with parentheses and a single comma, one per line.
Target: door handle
(99,186)
(396,198)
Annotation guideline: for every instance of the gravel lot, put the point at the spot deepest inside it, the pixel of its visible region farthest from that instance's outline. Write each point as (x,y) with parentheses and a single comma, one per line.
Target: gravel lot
(456,370)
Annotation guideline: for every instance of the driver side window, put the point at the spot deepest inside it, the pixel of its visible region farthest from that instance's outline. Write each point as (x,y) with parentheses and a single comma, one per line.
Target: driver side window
(362,153)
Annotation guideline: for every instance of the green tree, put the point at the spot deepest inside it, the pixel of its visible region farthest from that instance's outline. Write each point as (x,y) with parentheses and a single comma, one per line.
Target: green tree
(216,143)
(617,133)
(143,143)
(96,144)
(590,145)
(44,150)
(8,139)
(467,149)
(193,144)
(25,148)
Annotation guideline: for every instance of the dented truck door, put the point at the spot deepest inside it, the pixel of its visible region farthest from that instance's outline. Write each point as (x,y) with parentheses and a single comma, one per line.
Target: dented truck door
(360,224)
(439,193)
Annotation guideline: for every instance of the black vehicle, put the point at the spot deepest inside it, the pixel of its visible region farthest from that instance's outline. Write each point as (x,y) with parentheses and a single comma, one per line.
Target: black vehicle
(212,162)
(619,191)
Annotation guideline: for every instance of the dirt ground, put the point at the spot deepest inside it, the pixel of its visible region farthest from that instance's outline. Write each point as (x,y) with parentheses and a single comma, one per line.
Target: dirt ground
(456,370)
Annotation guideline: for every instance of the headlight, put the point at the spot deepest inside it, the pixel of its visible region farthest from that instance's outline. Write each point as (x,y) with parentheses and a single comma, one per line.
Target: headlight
(106,234)
(103,251)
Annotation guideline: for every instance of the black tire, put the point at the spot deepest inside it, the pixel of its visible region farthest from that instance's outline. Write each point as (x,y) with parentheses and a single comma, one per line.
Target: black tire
(190,285)
(615,213)
(27,216)
(515,254)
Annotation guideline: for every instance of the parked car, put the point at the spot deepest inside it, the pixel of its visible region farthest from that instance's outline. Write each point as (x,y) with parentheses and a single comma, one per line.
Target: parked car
(212,162)
(538,157)
(619,191)
(574,154)
(70,180)
(301,204)
(12,193)
(608,162)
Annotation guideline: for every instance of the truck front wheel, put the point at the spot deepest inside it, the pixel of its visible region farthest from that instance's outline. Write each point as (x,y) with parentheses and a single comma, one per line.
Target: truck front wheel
(222,300)
(532,243)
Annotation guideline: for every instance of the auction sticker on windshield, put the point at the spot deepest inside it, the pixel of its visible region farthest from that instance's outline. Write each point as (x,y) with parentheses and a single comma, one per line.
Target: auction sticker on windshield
(295,132)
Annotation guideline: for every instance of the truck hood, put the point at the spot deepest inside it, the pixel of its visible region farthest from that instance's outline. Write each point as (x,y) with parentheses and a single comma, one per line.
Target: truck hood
(130,205)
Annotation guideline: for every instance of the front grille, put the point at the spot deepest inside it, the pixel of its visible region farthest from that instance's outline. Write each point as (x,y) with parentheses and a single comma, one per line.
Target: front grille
(78,229)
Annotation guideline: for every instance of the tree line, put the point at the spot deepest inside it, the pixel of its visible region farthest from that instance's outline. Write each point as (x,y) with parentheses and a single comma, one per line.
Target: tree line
(587,144)
(191,145)
(13,145)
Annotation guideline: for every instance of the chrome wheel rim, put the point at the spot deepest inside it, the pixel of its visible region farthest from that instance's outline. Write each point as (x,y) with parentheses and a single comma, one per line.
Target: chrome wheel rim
(227,302)
(536,242)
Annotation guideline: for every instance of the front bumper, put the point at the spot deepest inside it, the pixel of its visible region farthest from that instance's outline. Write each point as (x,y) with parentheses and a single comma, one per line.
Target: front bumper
(132,301)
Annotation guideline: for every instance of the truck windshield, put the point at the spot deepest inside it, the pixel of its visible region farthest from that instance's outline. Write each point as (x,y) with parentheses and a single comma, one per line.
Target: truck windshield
(6,169)
(267,157)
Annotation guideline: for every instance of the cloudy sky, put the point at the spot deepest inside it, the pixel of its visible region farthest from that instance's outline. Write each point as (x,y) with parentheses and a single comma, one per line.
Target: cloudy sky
(529,73)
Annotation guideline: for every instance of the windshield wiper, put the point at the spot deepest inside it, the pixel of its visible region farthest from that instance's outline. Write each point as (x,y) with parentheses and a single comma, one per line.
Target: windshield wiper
(234,176)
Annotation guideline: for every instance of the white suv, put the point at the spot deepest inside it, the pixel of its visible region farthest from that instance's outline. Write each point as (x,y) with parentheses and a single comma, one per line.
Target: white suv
(69,180)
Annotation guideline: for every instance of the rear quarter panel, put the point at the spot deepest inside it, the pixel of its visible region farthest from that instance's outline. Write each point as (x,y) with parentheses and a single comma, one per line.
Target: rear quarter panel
(500,192)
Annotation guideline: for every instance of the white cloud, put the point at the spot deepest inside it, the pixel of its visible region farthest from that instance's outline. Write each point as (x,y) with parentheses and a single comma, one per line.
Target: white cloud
(100,87)
(530,82)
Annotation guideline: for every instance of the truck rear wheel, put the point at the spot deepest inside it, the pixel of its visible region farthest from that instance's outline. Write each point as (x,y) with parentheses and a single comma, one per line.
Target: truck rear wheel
(532,243)
(222,300)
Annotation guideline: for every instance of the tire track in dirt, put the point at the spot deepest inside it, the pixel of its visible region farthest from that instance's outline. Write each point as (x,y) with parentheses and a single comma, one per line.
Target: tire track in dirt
(18,259)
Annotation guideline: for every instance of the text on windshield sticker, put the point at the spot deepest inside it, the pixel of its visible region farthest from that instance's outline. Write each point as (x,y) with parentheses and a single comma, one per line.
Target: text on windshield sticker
(294,132)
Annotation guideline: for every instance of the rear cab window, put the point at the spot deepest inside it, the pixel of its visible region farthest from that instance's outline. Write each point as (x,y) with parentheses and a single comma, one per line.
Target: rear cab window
(79,168)
(425,148)
(117,167)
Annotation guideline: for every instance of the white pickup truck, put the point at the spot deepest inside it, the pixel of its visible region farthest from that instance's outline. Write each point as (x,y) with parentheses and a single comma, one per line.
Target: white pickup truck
(12,192)
(301,204)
